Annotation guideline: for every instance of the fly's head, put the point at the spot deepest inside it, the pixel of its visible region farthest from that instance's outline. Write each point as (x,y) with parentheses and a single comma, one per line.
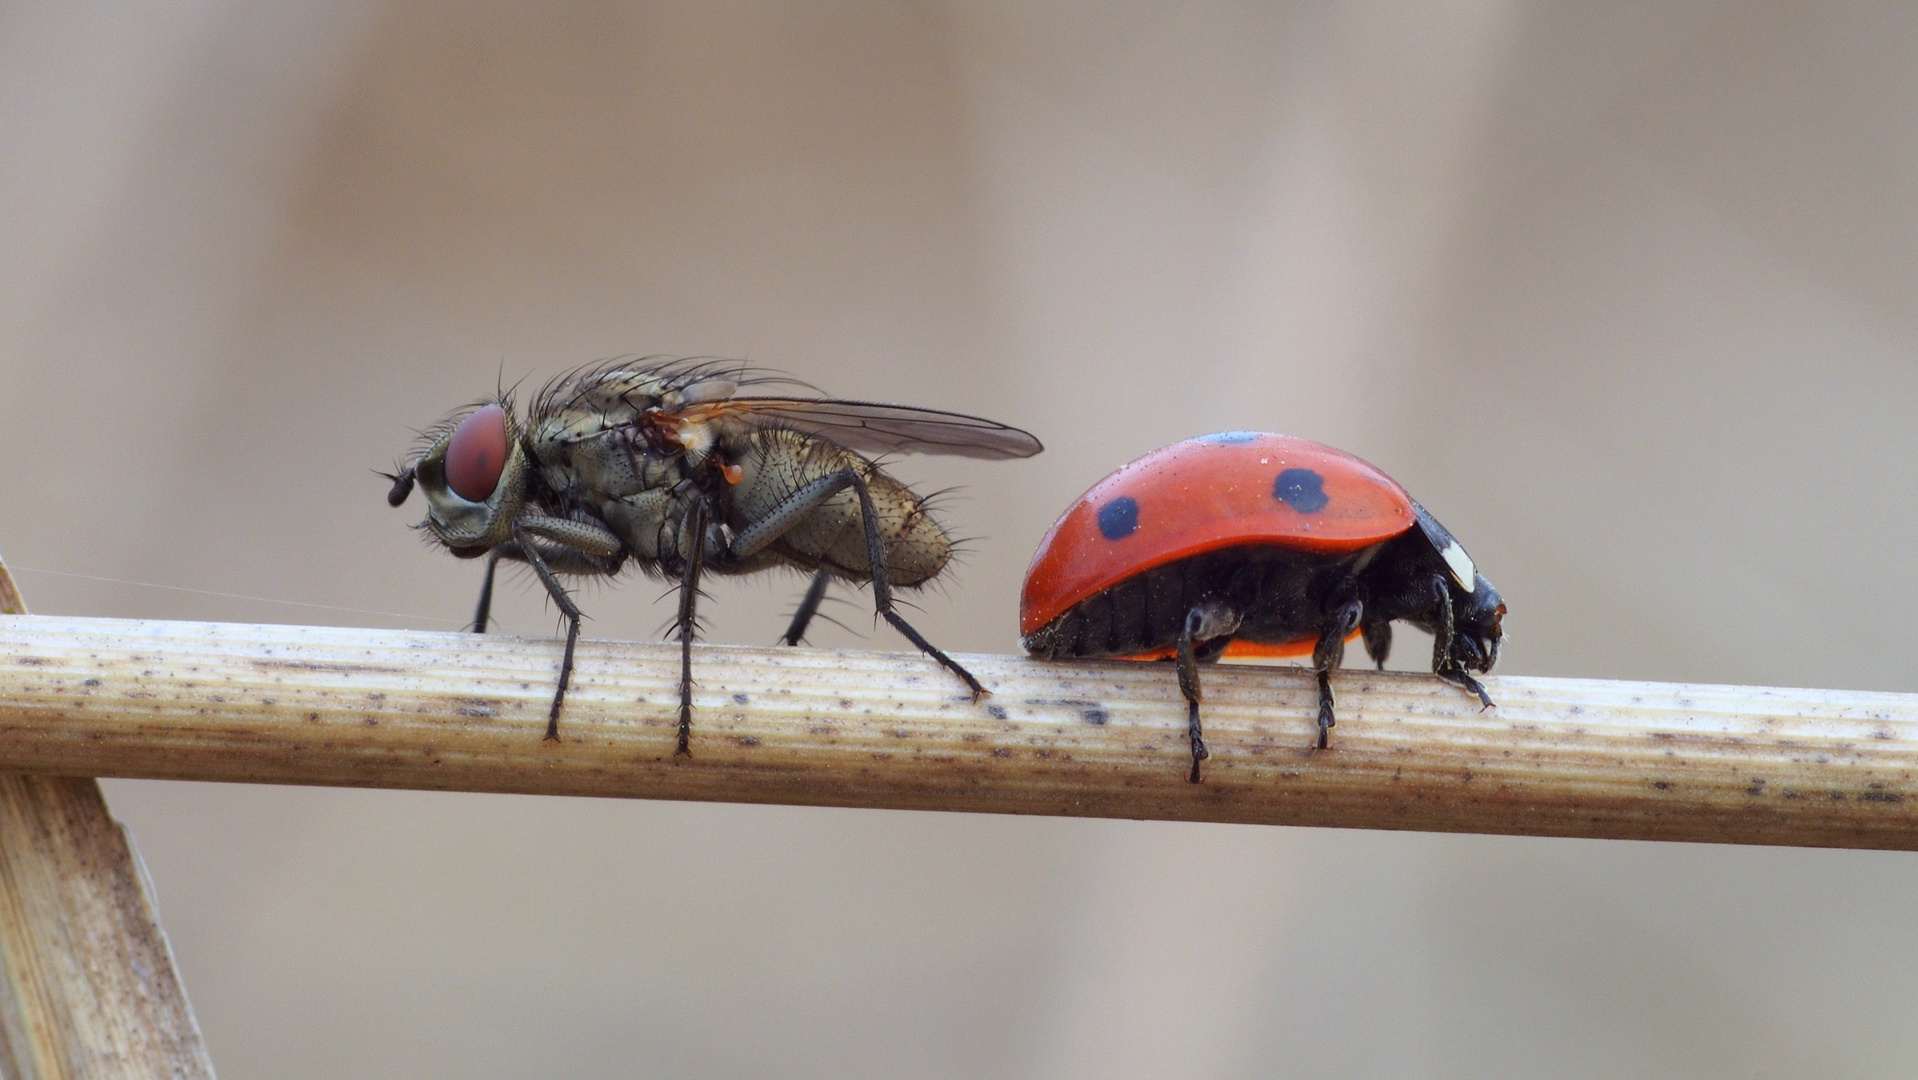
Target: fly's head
(473,474)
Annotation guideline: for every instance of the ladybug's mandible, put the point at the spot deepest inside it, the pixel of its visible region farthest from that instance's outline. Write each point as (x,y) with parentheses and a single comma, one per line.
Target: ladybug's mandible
(1249,544)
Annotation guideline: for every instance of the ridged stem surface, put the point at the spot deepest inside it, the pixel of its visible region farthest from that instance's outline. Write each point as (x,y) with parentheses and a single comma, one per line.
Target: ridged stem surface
(385,708)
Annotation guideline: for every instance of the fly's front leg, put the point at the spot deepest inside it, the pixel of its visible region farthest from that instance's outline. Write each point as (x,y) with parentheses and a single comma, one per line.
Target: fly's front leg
(755,537)
(694,551)
(485,612)
(530,551)
(1327,654)
(579,547)
(808,607)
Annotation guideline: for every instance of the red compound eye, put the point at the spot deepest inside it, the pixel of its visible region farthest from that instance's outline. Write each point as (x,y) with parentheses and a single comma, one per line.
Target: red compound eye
(477,454)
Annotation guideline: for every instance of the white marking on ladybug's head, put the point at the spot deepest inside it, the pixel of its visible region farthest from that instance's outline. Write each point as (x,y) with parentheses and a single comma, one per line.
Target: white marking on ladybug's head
(1460,563)
(1456,560)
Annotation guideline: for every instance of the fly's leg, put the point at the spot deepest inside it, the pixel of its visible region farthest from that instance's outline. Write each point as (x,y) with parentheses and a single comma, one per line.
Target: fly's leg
(1206,622)
(1444,665)
(485,612)
(695,555)
(808,607)
(794,510)
(530,551)
(1327,654)
(882,589)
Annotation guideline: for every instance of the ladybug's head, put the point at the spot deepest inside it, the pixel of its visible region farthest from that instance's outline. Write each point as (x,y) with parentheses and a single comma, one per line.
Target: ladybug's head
(1476,625)
(1477,611)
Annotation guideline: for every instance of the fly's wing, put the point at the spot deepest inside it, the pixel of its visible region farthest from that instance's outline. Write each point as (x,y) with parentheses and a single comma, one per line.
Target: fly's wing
(873,428)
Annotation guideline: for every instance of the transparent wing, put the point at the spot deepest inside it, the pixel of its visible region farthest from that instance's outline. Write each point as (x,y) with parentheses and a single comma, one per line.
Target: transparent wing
(881,429)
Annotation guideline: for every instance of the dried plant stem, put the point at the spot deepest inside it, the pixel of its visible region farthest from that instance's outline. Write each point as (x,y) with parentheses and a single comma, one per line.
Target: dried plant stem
(378,708)
(87,983)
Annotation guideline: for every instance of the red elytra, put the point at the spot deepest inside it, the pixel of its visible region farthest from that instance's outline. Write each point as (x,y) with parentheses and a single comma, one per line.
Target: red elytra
(1205,494)
(477,454)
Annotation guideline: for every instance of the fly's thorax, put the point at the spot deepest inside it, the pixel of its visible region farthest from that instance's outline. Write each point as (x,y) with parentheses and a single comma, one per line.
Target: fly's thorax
(776,464)
(651,523)
(473,525)
(612,462)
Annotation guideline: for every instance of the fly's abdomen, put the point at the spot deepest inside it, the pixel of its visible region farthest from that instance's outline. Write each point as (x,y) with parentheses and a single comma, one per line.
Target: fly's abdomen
(779,463)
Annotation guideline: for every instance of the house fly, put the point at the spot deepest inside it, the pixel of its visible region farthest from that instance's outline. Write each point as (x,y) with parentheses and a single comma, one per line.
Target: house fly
(681,468)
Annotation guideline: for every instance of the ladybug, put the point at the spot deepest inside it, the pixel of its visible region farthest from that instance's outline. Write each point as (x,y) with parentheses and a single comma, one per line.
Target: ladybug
(1250,544)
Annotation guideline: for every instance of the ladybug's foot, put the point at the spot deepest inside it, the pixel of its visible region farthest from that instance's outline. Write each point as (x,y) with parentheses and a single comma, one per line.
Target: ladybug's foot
(1197,737)
(1470,685)
(1326,719)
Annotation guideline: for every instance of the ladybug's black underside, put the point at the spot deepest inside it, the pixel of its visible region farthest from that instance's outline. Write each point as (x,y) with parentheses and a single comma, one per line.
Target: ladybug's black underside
(1273,595)
(1284,596)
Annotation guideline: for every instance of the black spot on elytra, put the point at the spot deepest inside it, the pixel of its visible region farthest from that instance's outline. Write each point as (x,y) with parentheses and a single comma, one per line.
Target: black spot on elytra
(1119,518)
(1301,489)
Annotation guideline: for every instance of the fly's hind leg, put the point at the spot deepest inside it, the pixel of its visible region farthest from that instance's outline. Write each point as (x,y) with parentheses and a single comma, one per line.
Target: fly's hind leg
(882,589)
(790,513)
(808,607)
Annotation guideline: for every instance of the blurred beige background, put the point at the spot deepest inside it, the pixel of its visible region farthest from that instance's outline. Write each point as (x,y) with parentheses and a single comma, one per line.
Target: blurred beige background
(1627,293)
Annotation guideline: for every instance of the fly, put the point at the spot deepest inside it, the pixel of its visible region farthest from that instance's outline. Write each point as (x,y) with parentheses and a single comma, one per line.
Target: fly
(669,466)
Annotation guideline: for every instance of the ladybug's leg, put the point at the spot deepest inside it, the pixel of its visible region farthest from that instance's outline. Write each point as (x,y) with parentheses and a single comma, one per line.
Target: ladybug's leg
(1209,621)
(1463,680)
(1378,641)
(1444,664)
(693,549)
(1327,654)
(1442,628)
(808,607)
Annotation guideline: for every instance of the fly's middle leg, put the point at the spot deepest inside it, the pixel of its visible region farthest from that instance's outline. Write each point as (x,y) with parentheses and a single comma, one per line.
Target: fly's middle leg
(695,555)
(808,607)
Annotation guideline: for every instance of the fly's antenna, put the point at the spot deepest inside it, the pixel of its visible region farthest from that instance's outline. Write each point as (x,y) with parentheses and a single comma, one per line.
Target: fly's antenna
(402,484)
